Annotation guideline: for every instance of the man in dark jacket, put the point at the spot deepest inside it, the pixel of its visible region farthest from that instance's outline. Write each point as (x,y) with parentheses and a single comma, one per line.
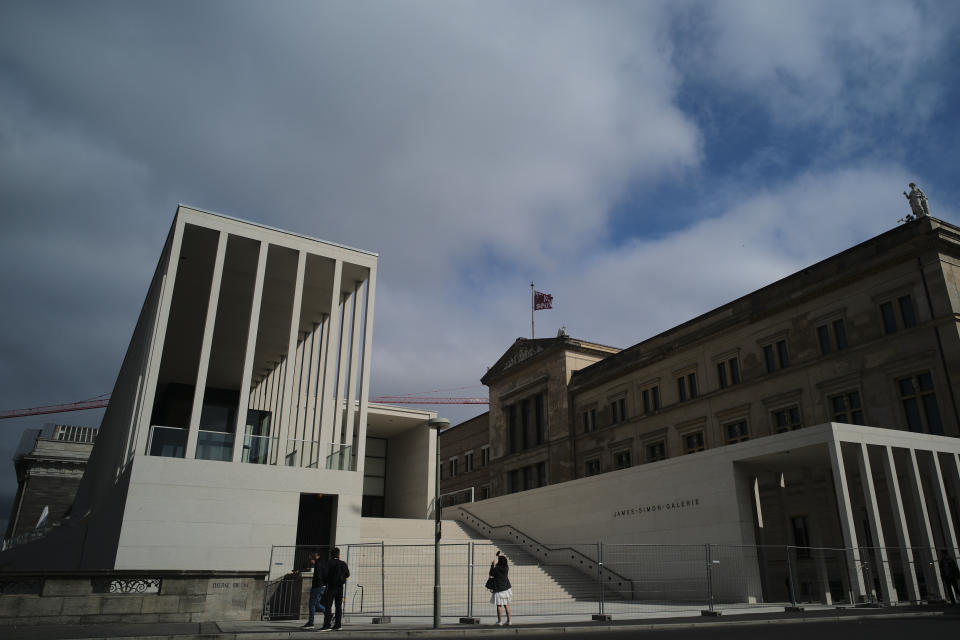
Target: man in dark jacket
(337,574)
(317,586)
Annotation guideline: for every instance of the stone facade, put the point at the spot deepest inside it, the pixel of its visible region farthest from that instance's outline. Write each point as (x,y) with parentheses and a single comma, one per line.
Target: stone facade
(49,465)
(868,336)
(468,444)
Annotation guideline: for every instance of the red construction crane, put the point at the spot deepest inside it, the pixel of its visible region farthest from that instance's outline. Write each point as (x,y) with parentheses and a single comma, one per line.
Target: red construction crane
(100,403)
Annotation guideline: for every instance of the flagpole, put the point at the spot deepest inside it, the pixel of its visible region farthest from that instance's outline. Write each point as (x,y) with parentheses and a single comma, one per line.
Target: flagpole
(531,311)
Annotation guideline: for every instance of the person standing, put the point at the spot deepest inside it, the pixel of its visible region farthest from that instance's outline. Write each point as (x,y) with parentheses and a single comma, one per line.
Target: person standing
(951,577)
(502,591)
(336,577)
(317,587)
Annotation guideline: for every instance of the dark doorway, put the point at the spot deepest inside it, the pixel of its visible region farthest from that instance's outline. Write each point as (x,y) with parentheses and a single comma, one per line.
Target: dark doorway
(317,519)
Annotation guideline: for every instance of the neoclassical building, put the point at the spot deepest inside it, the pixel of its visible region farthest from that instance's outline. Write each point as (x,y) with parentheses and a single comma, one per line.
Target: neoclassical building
(829,400)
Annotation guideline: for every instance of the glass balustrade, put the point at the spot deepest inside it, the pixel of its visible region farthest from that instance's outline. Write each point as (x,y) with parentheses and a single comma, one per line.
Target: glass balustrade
(214,445)
(168,442)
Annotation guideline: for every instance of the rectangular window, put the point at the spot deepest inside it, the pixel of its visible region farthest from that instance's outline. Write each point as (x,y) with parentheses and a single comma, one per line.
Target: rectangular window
(693,442)
(786,419)
(468,462)
(656,451)
(845,407)
(484,455)
(687,387)
(526,423)
(621,459)
(618,410)
(453,467)
(651,399)
(485,492)
(828,342)
(728,372)
(823,335)
(906,311)
(776,356)
(592,467)
(920,404)
(889,318)
(529,477)
(736,431)
(589,420)
(840,334)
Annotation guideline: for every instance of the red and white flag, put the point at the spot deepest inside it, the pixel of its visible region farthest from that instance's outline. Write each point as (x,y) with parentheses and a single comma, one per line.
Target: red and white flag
(542,301)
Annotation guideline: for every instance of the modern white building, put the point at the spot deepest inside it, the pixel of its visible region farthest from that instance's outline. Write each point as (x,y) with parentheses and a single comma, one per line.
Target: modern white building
(240,416)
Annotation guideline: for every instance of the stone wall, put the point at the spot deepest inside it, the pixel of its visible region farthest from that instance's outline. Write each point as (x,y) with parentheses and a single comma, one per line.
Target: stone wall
(148,597)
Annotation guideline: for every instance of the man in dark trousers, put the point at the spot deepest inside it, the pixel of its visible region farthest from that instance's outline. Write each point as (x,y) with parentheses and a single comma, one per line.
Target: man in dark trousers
(951,577)
(317,587)
(337,574)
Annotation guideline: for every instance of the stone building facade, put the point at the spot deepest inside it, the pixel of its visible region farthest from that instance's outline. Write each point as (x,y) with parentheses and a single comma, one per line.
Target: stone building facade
(49,464)
(868,336)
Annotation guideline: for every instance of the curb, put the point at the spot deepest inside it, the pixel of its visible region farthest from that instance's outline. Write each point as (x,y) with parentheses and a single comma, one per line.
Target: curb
(458,632)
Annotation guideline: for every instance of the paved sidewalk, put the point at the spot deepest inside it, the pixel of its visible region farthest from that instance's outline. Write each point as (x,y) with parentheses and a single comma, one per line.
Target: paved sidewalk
(419,627)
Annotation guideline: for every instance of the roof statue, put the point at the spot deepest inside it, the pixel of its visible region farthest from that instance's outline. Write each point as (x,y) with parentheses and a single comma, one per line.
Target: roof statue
(918,202)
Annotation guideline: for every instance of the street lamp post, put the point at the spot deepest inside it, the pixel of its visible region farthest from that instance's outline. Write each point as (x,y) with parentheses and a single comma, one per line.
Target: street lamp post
(438,424)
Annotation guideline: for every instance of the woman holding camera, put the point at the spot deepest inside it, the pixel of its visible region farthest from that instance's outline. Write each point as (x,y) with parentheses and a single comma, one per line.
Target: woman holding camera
(502,593)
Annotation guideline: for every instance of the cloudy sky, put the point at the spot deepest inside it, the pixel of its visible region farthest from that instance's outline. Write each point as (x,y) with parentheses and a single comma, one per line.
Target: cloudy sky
(642,161)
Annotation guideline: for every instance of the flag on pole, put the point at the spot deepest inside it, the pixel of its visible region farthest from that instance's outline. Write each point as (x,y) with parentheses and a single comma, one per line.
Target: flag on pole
(542,301)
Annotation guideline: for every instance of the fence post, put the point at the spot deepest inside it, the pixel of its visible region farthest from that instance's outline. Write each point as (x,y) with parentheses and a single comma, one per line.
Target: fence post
(601,616)
(791,583)
(709,611)
(383,618)
(469,619)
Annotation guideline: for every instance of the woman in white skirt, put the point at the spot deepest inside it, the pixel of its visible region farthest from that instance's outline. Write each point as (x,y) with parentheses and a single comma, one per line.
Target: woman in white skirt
(502,593)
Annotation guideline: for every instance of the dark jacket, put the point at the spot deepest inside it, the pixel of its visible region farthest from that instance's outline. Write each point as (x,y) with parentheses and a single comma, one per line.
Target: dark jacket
(499,575)
(948,569)
(319,575)
(337,573)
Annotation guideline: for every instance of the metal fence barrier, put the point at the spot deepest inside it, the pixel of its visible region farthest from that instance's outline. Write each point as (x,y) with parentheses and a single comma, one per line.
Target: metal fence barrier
(608,580)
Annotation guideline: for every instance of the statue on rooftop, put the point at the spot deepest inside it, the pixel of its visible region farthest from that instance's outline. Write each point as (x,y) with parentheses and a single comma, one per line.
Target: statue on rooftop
(917,200)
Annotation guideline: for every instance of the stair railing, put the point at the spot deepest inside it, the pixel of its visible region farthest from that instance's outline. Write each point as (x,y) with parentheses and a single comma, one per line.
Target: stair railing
(568,556)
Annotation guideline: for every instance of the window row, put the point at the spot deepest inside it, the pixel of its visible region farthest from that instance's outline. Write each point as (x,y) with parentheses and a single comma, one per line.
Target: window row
(917,398)
(831,337)
(453,463)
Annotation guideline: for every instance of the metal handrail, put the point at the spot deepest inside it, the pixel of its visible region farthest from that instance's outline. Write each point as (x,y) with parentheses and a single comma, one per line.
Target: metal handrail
(548,548)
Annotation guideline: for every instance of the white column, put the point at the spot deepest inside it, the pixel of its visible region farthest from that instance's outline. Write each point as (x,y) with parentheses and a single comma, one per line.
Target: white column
(339,431)
(876,528)
(287,380)
(250,352)
(351,412)
(847,526)
(900,524)
(814,508)
(328,408)
(365,370)
(928,559)
(204,364)
(159,336)
(320,361)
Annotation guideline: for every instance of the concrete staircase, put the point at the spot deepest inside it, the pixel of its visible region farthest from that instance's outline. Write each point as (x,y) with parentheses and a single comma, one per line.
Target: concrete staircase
(400,575)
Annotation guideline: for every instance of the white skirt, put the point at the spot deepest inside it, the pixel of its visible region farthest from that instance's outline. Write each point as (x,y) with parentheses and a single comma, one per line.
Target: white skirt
(501,597)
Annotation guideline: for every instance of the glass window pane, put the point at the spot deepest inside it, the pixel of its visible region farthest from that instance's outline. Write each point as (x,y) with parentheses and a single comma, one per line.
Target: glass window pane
(913,414)
(722,374)
(376,447)
(681,389)
(656,397)
(768,358)
(692,380)
(734,371)
(906,387)
(840,333)
(782,352)
(933,414)
(889,320)
(824,337)
(906,310)
(925,381)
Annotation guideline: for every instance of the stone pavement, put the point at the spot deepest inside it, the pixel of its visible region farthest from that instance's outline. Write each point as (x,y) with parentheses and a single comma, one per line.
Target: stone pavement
(421,627)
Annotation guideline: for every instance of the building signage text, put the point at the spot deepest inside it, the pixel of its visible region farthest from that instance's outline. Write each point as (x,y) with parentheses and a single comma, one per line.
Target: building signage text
(643,509)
